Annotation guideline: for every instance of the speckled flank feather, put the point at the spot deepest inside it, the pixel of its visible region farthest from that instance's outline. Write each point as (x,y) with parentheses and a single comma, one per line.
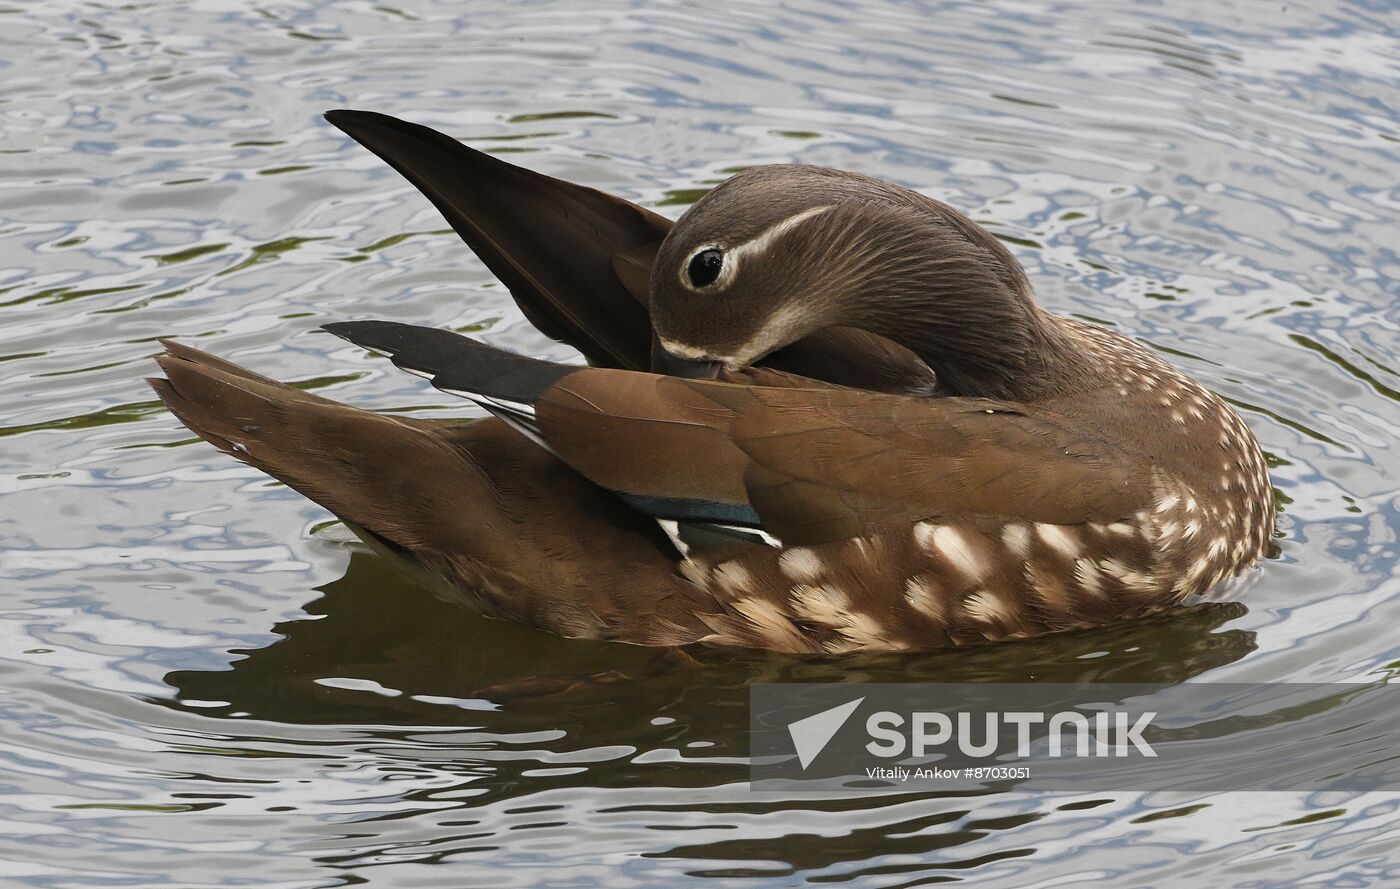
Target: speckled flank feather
(969,578)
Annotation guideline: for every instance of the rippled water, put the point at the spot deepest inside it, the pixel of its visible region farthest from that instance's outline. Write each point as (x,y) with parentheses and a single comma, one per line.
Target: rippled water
(206,683)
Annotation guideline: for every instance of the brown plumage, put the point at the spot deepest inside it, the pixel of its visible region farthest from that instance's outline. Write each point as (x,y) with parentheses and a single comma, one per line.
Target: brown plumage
(524,536)
(939,459)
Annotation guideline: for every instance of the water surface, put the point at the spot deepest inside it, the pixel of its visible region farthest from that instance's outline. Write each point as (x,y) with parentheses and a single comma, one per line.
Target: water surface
(207,683)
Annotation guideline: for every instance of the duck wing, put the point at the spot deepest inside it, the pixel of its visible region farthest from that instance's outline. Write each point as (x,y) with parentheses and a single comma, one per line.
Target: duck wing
(806,462)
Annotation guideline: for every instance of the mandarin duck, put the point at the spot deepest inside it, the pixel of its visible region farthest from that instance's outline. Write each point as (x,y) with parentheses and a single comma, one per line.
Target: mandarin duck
(821,413)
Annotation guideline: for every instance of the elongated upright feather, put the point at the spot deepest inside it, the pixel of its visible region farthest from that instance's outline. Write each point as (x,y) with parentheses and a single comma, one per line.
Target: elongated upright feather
(551,242)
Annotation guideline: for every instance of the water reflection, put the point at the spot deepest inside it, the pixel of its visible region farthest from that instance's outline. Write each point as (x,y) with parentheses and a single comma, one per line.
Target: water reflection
(437,663)
(477,714)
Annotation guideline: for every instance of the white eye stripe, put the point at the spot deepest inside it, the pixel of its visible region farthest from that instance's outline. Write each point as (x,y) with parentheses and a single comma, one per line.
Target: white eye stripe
(763,239)
(755,245)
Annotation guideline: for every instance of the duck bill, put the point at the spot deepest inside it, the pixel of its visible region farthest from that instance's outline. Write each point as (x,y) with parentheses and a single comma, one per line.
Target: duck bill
(663,362)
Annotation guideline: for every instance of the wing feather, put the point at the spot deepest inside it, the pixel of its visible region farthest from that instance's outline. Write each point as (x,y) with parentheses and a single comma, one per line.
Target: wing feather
(819,464)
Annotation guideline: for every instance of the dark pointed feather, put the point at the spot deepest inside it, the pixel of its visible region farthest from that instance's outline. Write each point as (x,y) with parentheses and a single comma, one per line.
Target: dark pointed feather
(453,362)
(551,242)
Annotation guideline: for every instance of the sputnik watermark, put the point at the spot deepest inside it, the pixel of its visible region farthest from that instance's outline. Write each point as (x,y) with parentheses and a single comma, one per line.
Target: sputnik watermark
(1106,734)
(811,734)
(1075,737)
(904,775)
(977,735)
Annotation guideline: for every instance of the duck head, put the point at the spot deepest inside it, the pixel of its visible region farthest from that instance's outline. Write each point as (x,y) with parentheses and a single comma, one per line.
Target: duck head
(780,252)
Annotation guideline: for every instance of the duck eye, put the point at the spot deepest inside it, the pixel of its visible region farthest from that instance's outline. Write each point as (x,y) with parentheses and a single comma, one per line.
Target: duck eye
(705,267)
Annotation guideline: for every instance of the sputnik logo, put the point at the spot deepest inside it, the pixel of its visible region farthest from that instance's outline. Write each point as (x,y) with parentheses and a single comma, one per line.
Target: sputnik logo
(811,734)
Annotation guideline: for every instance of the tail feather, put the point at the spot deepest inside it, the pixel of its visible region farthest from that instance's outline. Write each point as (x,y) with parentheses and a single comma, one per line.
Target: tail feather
(178,350)
(308,442)
(519,533)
